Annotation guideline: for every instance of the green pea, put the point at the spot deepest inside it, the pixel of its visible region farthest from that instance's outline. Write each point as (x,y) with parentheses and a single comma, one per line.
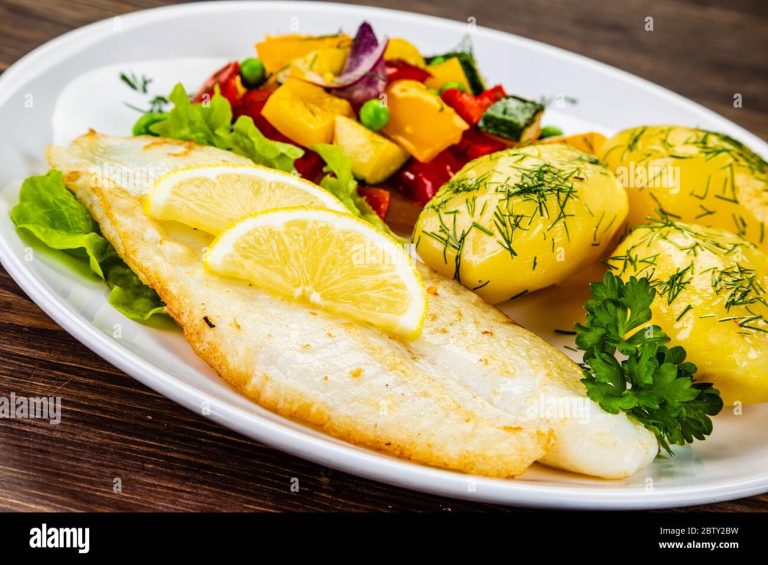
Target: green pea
(550,131)
(437,60)
(141,127)
(453,84)
(252,72)
(374,114)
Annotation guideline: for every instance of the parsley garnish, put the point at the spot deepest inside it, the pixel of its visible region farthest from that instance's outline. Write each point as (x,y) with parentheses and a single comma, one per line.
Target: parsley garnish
(653,383)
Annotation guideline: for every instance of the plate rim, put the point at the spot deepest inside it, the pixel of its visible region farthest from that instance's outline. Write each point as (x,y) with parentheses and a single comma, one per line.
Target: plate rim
(326,450)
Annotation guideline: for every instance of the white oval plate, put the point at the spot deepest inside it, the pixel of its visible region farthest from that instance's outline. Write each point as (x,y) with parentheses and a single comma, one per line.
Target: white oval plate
(62,88)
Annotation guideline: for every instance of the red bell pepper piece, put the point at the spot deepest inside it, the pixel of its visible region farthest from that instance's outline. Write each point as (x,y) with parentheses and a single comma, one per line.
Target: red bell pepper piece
(251,104)
(492,95)
(475,143)
(422,180)
(310,166)
(377,198)
(471,108)
(226,78)
(399,69)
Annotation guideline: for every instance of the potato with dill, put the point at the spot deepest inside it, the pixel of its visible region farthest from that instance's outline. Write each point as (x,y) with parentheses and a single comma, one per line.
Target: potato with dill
(694,176)
(521,219)
(711,298)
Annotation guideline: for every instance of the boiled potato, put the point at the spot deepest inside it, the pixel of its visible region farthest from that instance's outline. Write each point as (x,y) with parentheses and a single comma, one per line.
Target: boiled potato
(521,219)
(692,175)
(589,142)
(712,299)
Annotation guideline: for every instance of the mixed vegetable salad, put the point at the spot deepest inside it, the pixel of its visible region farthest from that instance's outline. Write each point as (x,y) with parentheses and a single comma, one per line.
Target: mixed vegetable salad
(405,121)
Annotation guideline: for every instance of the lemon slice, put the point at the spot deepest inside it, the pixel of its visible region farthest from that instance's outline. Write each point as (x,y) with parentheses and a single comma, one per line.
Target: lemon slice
(213,197)
(331,260)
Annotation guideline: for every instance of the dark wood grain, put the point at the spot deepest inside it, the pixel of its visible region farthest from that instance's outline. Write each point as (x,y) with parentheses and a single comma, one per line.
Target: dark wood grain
(170,459)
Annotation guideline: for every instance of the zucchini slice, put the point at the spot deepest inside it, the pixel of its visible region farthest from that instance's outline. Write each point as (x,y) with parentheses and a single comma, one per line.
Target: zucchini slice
(464,53)
(513,118)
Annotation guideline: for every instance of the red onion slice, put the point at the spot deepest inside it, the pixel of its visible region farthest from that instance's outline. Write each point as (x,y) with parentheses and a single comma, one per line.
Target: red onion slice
(364,75)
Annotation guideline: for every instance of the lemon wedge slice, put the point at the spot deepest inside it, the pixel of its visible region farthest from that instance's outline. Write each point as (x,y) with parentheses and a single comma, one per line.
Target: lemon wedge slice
(328,259)
(213,197)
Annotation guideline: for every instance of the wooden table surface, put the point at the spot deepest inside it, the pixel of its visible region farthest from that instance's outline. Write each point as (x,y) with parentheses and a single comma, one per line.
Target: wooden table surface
(168,458)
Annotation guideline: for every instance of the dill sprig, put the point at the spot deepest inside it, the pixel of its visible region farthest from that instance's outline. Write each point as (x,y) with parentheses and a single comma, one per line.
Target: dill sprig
(740,285)
(135,82)
(140,83)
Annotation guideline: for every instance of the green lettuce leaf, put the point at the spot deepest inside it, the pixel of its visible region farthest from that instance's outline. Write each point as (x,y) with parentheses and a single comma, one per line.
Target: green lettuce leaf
(57,219)
(129,295)
(211,124)
(51,213)
(249,142)
(341,183)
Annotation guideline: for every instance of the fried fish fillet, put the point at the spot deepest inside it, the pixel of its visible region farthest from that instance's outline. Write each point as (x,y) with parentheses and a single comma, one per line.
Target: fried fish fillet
(474,393)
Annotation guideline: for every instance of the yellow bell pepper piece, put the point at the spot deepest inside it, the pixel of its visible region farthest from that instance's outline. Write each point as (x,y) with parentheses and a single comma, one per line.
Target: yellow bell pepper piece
(373,156)
(239,88)
(324,63)
(399,48)
(304,112)
(419,121)
(276,51)
(447,71)
(589,142)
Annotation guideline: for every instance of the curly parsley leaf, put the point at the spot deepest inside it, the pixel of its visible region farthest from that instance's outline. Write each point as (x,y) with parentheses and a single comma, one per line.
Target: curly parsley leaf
(651,382)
